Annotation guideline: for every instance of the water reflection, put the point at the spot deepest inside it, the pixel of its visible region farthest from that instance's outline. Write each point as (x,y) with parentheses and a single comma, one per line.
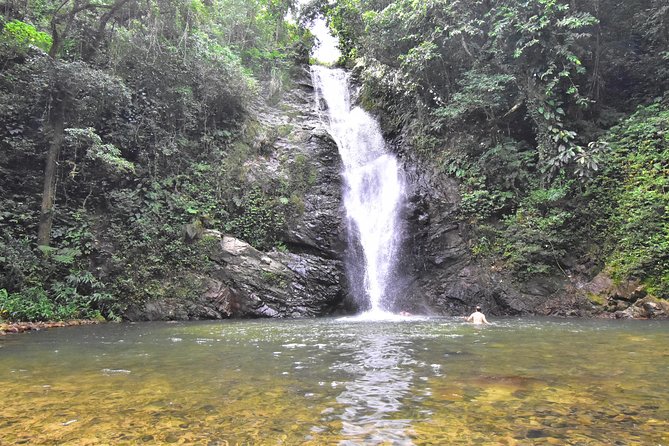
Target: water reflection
(383,375)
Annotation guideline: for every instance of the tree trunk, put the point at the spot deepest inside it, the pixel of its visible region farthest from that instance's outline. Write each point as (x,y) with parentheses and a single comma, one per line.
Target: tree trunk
(51,172)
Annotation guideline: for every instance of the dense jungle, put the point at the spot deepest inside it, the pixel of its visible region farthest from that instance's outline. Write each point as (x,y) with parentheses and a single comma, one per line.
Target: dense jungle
(137,134)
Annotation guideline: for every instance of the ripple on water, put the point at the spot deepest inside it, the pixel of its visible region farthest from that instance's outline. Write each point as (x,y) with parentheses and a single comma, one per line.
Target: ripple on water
(294,345)
(112,372)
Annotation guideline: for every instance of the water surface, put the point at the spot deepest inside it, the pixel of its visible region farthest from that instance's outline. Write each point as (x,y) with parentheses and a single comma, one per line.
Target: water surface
(320,382)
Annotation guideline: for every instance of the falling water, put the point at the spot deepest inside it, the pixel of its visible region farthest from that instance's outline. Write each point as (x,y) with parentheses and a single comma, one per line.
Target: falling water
(374,187)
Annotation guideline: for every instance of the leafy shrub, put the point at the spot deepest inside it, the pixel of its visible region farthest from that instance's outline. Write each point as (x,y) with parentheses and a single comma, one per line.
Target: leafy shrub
(4,314)
(32,304)
(535,238)
(483,203)
(481,92)
(534,242)
(23,34)
(80,296)
(18,263)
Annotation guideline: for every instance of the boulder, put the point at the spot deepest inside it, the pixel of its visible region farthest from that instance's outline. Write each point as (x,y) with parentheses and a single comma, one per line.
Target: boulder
(646,308)
(627,299)
(247,283)
(250,283)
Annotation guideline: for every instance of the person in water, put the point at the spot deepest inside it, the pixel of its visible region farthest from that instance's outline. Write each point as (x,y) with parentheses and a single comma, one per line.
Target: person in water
(477,317)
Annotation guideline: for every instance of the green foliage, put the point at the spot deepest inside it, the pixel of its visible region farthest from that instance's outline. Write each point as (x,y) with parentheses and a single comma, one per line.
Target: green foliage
(632,196)
(535,238)
(475,61)
(346,19)
(4,295)
(18,262)
(53,285)
(494,183)
(483,203)
(106,154)
(21,35)
(260,220)
(156,98)
(30,305)
(35,304)
(479,92)
(536,235)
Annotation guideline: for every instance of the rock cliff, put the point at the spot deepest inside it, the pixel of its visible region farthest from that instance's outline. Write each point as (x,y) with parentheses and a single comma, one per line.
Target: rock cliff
(441,275)
(446,278)
(307,277)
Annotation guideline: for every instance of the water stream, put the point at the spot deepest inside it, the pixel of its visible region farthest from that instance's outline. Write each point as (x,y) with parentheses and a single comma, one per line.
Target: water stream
(435,381)
(374,192)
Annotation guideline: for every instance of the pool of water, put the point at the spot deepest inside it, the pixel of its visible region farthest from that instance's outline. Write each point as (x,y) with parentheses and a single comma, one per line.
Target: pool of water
(320,382)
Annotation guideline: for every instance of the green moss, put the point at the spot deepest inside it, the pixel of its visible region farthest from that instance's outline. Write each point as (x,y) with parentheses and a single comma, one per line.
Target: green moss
(596,299)
(285,129)
(274,278)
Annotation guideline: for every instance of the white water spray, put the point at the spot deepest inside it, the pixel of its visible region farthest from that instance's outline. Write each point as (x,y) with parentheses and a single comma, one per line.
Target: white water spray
(374,192)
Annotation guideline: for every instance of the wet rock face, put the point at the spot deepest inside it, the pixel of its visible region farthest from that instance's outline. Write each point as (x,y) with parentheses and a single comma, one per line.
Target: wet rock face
(307,280)
(445,279)
(247,283)
(250,283)
(307,153)
(444,276)
(319,228)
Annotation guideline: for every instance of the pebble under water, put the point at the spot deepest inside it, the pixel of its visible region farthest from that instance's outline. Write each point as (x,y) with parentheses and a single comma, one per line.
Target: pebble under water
(411,381)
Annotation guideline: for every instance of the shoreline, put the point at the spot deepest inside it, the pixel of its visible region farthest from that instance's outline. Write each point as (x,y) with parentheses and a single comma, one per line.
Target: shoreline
(23,327)
(26,327)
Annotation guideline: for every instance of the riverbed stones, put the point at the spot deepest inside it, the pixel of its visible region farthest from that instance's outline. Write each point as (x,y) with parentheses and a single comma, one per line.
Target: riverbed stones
(21,327)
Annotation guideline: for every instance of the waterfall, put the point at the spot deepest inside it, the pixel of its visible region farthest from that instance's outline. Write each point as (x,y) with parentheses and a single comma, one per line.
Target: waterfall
(374,190)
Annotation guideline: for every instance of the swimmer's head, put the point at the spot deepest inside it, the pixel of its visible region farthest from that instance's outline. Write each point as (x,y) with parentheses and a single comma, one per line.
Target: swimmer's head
(478,308)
